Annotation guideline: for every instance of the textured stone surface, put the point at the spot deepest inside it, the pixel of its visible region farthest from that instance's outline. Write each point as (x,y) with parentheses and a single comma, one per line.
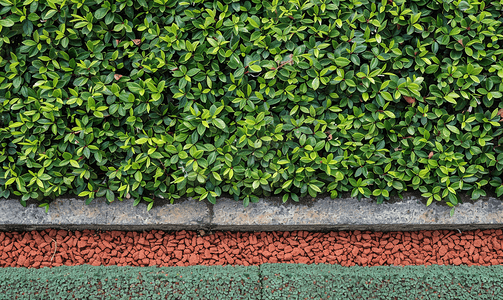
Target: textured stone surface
(320,214)
(71,213)
(351,214)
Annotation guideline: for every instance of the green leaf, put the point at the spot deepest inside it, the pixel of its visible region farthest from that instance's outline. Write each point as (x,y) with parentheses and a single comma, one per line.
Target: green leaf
(387,96)
(183,155)
(100,13)
(255,184)
(219,123)
(342,61)
(80,81)
(285,198)
(138,176)
(431,69)
(499,191)
(141,141)
(397,185)
(211,199)
(270,74)
(193,72)
(253,22)
(294,197)
(10,181)
(110,196)
(314,187)
(255,68)
(6,23)
(453,129)
(217,176)
(287,184)
(134,87)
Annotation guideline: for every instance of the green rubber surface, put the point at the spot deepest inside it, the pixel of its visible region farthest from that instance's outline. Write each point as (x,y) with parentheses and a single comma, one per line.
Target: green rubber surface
(268,281)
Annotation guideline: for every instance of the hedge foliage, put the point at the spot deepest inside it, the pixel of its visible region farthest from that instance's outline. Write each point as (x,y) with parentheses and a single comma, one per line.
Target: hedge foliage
(166,98)
(268,281)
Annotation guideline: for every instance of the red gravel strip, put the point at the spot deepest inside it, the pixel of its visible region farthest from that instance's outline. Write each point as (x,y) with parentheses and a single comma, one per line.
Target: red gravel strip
(37,249)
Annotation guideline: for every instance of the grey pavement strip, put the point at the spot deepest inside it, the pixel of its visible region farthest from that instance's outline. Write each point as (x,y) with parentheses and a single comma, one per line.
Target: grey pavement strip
(73,214)
(351,214)
(320,214)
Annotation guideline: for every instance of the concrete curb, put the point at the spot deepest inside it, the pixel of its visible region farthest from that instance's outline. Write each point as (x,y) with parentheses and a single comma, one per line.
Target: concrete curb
(320,214)
(73,214)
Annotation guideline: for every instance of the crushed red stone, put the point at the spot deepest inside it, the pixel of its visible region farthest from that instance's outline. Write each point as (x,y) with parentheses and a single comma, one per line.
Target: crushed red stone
(52,247)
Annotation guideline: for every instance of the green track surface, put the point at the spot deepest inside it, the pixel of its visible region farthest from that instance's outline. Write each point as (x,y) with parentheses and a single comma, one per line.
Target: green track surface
(269,281)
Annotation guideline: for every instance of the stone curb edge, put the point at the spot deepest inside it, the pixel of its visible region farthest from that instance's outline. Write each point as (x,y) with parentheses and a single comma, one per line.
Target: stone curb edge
(321,214)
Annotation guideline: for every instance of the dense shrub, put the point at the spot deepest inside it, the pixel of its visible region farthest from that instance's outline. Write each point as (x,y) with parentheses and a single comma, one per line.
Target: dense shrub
(167,98)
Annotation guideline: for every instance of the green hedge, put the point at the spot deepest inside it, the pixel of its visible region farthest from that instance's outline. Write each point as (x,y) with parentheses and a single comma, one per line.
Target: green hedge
(269,281)
(166,98)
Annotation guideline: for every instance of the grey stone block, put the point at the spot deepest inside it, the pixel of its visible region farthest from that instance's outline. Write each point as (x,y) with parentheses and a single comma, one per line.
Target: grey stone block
(351,214)
(73,214)
(321,214)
